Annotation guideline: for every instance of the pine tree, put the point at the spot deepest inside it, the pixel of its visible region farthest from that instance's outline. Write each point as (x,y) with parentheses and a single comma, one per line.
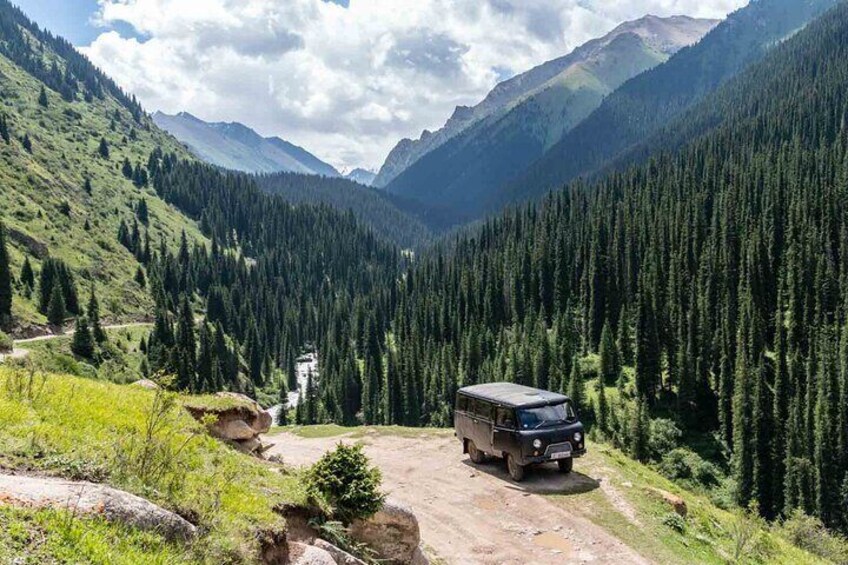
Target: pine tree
(602,411)
(140,279)
(87,186)
(56,309)
(5,134)
(206,360)
(42,97)
(576,387)
(647,349)
(82,343)
(127,169)
(103,148)
(94,315)
(27,276)
(5,280)
(610,365)
(639,426)
(142,212)
(26,142)
(185,350)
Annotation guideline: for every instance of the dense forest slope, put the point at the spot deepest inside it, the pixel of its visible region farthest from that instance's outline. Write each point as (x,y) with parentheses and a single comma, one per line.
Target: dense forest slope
(370,206)
(651,100)
(534,111)
(715,277)
(69,135)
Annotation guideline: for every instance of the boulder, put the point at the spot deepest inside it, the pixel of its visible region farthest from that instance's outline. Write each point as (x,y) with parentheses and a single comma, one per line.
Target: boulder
(675,502)
(393,533)
(146,383)
(340,556)
(93,499)
(302,554)
(238,422)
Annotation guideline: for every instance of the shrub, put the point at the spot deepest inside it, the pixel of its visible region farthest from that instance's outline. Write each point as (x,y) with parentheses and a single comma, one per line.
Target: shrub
(345,479)
(675,465)
(663,436)
(675,521)
(6,343)
(682,464)
(810,534)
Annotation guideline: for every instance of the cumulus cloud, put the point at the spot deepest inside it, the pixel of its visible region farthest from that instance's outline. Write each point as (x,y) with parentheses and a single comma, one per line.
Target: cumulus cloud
(346,80)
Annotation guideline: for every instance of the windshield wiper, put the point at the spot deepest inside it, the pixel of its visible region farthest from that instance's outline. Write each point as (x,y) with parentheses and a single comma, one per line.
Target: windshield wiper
(543,422)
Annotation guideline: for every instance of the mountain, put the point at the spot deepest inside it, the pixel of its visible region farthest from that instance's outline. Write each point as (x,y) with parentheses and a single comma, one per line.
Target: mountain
(652,100)
(480,148)
(659,35)
(372,207)
(236,147)
(68,129)
(362,176)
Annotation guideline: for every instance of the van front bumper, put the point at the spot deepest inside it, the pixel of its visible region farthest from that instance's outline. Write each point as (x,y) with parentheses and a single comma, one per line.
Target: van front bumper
(549,458)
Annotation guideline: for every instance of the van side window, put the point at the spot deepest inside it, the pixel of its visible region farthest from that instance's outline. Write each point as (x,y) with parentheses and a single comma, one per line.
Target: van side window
(483,409)
(505,418)
(462,403)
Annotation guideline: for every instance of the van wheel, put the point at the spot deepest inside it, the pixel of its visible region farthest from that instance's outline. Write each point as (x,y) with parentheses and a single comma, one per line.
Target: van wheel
(475,454)
(516,471)
(565,465)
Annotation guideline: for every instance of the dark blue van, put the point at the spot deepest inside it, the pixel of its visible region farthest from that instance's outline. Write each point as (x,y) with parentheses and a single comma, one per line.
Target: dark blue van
(524,425)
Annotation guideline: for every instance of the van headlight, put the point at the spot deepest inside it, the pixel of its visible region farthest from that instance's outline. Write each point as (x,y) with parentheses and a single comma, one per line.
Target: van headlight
(578,437)
(537,443)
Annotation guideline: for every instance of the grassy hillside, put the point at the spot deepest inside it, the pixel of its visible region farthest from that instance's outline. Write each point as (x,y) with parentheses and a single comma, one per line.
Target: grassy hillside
(83,429)
(44,203)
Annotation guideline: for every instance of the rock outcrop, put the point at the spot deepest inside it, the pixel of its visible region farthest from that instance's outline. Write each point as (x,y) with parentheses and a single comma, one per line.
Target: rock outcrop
(675,502)
(93,499)
(303,554)
(393,533)
(239,421)
(340,556)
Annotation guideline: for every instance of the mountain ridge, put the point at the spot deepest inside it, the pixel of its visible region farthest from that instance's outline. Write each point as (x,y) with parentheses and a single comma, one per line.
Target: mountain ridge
(651,100)
(528,114)
(510,91)
(235,146)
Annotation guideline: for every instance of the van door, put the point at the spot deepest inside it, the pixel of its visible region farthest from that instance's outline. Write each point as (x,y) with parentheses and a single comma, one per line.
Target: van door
(503,432)
(481,424)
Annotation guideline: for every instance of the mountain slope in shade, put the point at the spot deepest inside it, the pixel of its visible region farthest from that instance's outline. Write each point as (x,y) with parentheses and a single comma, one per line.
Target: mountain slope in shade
(525,116)
(237,147)
(650,101)
(385,215)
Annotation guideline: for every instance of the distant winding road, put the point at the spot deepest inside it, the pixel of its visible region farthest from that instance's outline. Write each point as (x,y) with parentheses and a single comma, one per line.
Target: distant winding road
(21,353)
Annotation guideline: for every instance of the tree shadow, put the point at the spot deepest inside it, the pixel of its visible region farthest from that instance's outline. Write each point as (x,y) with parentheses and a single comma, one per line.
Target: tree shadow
(540,479)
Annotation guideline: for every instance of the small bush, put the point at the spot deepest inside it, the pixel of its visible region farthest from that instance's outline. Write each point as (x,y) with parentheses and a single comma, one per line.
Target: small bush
(6,343)
(811,535)
(682,464)
(675,521)
(663,436)
(345,479)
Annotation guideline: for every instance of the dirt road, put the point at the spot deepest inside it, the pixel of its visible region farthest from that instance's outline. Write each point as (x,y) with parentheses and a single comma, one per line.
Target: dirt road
(21,353)
(474,514)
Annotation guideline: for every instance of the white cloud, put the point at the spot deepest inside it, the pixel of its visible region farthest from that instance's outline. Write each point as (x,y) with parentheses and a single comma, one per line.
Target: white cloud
(346,83)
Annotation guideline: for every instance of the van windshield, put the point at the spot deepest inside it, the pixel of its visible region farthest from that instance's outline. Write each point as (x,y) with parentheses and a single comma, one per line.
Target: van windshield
(532,418)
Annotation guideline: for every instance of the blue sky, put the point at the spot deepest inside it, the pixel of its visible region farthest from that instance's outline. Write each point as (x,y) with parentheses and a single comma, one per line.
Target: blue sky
(69,18)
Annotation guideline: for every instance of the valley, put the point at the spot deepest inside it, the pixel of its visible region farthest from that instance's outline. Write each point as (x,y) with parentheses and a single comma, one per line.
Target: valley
(647,233)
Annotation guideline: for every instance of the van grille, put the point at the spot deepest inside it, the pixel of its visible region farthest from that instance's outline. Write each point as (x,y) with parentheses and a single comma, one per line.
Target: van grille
(558,448)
